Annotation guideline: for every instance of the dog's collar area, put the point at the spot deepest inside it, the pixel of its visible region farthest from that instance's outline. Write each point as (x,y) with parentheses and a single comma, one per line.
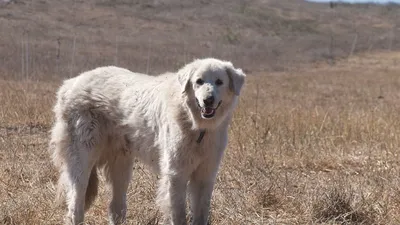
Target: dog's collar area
(219,103)
(201,136)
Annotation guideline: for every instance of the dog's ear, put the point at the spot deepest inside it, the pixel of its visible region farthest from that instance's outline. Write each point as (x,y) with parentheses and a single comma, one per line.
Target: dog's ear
(236,78)
(184,76)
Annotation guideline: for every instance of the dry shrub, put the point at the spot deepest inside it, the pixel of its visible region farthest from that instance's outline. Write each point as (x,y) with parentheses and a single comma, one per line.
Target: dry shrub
(268,199)
(338,205)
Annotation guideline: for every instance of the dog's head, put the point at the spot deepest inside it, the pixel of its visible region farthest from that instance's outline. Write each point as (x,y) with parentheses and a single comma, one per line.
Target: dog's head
(212,87)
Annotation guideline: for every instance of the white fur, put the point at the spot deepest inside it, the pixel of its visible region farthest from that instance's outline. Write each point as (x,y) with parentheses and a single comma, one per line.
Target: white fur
(108,116)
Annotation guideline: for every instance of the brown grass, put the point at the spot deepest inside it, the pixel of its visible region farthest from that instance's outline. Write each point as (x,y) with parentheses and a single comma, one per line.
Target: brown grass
(316,145)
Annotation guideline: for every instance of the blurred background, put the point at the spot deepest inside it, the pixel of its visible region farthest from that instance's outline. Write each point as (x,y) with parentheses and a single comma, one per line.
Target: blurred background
(41,38)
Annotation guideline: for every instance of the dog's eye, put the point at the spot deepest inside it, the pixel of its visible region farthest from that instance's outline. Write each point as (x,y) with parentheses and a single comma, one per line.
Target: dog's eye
(199,81)
(219,82)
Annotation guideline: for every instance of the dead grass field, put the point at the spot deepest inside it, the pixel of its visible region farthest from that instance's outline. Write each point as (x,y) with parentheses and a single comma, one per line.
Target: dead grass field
(316,145)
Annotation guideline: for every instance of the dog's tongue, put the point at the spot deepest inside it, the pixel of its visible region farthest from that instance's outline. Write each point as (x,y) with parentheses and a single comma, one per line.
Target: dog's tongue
(208,110)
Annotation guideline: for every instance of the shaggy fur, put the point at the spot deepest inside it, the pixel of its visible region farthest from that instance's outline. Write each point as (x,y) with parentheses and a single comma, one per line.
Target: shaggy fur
(107,117)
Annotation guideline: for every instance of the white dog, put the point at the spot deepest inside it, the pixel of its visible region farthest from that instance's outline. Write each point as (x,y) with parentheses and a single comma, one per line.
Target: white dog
(177,123)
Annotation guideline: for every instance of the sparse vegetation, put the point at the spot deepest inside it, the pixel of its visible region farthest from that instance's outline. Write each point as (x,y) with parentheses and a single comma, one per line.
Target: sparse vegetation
(311,144)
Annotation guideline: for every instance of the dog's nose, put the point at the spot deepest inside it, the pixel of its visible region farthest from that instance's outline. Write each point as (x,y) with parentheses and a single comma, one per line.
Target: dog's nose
(209,101)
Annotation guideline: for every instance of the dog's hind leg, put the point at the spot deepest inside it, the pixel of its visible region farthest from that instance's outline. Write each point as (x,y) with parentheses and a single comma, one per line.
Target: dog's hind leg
(85,134)
(118,174)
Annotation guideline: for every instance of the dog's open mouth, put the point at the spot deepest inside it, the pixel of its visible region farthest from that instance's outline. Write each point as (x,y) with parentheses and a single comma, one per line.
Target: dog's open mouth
(207,112)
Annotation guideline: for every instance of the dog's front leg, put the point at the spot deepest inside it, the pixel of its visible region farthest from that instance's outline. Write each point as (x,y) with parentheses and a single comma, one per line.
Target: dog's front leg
(172,198)
(201,186)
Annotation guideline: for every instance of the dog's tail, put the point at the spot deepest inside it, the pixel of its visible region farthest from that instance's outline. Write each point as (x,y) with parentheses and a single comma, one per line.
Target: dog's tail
(92,189)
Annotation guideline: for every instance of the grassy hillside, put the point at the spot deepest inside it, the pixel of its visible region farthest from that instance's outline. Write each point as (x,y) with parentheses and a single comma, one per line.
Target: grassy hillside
(61,38)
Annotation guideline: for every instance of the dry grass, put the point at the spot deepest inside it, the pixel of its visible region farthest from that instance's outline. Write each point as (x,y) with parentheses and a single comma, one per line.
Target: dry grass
(316,145)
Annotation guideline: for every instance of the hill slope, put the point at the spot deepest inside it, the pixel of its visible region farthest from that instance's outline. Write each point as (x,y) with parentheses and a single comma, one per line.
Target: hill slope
(62,38)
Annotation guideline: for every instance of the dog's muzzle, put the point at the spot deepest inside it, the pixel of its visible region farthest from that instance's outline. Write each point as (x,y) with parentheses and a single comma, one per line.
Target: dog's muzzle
(207,112)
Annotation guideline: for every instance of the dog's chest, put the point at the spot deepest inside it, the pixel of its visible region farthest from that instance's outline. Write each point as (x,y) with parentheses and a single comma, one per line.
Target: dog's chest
(201,145)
